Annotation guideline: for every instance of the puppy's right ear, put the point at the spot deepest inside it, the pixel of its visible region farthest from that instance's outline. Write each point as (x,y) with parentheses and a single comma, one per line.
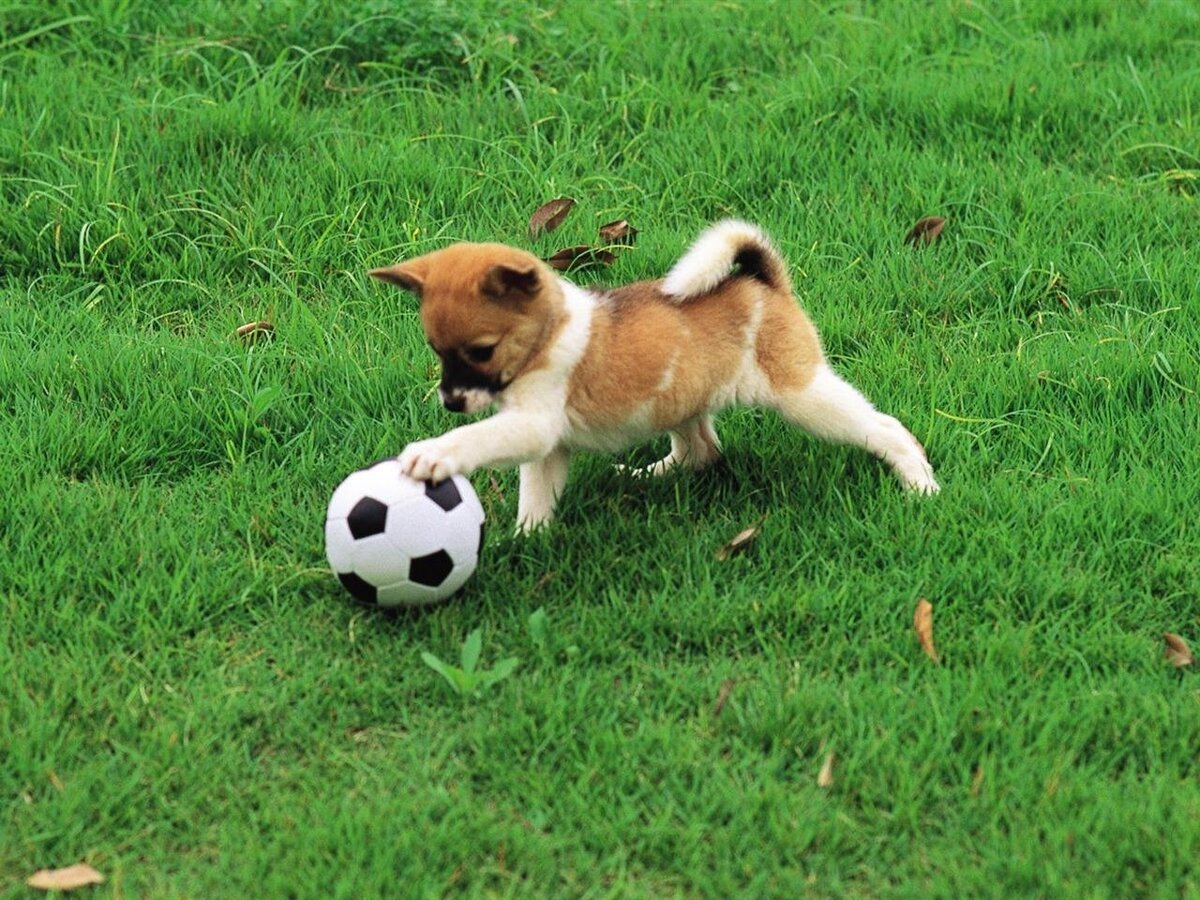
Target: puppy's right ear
(408,275)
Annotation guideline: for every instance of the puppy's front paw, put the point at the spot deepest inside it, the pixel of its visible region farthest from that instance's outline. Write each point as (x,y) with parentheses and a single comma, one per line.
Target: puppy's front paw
(429,461)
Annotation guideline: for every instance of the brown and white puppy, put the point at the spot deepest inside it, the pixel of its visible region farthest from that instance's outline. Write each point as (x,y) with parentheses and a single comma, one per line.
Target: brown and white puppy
(574,369)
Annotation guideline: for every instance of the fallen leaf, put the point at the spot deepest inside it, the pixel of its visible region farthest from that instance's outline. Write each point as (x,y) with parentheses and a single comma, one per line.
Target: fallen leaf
(619,232)
(1177,651)
(579,257)
(923,625)
(495,486)
(740,541)
(252,331)
(722,696)
(549,216)
(68,879)
(330,86)
(825,776)
(926,231)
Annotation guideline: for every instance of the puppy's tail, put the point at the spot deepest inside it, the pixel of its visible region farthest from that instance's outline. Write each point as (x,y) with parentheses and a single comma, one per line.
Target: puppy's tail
(730,247)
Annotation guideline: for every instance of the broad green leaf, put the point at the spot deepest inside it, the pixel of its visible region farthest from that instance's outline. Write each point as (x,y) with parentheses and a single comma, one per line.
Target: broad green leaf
(500,671)
(470,651)
(452,674)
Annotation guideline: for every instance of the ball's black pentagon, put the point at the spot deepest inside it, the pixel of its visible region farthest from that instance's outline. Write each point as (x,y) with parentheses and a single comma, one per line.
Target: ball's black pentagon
(432,569)
(445,494)
(368,517)
(359,589)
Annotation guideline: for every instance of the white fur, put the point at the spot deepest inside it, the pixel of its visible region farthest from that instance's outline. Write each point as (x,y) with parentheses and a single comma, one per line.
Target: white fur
(709,260)
(542,483)
(830,408)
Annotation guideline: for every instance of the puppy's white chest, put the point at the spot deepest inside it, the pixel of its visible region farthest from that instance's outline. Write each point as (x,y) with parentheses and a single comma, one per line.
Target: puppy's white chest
(636,427)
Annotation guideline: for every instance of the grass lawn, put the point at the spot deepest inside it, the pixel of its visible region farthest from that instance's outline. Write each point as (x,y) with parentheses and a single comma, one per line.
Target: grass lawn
(191,704)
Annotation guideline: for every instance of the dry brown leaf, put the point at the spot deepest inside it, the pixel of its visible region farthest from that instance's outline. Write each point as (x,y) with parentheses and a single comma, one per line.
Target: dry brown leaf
(252,331)
(68,879)
(923,625)
(740,541)
(722,696)
(330,86)
(579,257)
(495,486)
(926,231)
(549,216)
(619,232)
(825,776)
(1177,651)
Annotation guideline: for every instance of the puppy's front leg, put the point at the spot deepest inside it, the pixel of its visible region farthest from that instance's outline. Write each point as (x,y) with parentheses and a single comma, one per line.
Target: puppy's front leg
(542,483)
(508,438)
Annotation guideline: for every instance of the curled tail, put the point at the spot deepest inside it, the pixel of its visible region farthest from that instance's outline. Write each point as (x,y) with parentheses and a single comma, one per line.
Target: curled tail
(728,245)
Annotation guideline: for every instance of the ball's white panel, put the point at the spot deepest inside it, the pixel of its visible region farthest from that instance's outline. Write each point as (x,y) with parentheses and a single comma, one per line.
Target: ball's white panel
(418,526)
(378,561)
(462,534)
(405,593)
(423,527)
(339,545)
(463,569)
(382,481)
(470,499)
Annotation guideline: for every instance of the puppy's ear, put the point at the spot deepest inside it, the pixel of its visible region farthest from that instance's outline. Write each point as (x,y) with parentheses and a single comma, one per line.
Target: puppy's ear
(408,275)
(510,282)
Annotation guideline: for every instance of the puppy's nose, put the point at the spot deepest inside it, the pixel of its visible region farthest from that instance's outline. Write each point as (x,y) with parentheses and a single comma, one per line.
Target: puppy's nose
(454,402)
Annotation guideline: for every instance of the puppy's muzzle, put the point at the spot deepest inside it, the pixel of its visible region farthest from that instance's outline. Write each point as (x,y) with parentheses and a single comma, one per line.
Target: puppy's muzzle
(465,389)
(466,400)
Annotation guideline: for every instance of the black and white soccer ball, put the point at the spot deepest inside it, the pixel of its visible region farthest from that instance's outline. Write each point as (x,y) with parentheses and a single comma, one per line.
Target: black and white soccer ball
(393,541)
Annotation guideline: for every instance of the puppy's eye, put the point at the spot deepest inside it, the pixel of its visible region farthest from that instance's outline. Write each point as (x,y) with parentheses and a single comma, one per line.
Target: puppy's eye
(479,354)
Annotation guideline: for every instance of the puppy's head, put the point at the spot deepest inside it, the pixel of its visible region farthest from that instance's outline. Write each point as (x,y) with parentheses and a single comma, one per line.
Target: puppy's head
(487,311)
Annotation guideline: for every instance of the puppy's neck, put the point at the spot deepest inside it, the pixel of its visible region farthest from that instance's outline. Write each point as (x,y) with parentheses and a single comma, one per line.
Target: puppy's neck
(568,328)
(567,346)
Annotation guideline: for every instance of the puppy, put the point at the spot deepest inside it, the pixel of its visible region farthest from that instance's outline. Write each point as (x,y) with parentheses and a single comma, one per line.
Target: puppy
(574,369)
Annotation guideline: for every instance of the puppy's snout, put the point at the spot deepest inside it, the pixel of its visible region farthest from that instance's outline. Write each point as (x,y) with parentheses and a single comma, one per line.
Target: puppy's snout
(454,402)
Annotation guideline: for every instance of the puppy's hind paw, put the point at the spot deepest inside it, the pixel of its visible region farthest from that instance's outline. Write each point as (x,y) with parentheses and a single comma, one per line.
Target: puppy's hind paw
(919,478)
(651,471)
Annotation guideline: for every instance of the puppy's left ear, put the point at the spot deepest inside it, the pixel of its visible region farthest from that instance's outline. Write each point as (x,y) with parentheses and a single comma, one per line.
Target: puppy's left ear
(408,275)
(510,282)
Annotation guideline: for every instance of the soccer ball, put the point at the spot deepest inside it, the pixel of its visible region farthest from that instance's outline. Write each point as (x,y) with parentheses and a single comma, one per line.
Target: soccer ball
(393,541)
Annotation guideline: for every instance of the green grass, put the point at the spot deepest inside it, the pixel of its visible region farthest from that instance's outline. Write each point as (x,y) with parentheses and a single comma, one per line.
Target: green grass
(190,704)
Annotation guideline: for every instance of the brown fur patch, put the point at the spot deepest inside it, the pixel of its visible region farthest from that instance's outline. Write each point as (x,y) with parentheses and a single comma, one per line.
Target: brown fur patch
(646,349)
(457,313)
(789,348)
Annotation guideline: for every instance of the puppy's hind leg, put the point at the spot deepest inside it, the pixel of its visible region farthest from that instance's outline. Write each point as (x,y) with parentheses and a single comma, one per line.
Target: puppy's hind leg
(542,483)
(694,444)
(831,408)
